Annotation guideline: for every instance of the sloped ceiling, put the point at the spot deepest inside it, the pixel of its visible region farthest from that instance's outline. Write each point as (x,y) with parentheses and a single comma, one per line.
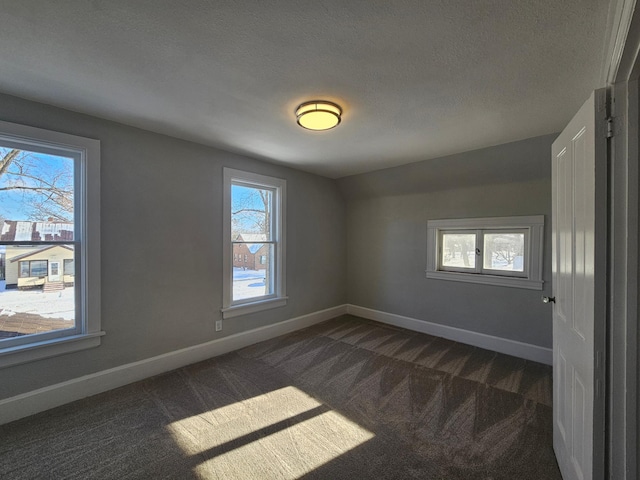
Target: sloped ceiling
(417,79)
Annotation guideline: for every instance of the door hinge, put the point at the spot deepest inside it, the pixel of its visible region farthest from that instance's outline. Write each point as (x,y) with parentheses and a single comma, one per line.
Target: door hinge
(609,127)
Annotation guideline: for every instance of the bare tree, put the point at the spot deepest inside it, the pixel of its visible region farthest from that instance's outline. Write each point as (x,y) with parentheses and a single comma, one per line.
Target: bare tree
(462,244)
(250,212)
(505,248)
(47,191)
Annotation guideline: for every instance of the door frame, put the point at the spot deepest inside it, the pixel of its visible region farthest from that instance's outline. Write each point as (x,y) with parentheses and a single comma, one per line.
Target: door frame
(49,270)
(621,73)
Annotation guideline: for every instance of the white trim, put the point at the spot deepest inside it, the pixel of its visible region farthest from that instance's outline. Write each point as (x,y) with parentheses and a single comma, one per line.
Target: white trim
(52,396)
(497,344)
(621,12)
(253,307)
(623,366)
(30,352)
(501,281)
(36,401)
(487,222)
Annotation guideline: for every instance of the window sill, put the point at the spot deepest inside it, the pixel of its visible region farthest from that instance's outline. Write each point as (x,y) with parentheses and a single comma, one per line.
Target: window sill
(516,282)
(246,308)
(49,348)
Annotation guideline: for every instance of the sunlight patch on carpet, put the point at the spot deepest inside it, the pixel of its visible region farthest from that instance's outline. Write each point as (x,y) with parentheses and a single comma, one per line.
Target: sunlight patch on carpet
(283,434)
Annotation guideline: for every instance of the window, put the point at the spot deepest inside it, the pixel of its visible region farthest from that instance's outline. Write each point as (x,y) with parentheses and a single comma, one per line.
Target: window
(69,267)
(254,222)
(505,251)
(50,228)
(33,268)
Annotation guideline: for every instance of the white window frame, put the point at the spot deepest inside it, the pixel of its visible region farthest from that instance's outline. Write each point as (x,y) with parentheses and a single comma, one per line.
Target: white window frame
(531,226)
(441,233)
(86,155)
(279,298)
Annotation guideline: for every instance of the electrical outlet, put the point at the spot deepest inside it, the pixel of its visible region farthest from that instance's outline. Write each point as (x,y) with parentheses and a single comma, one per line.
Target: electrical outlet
(218,325)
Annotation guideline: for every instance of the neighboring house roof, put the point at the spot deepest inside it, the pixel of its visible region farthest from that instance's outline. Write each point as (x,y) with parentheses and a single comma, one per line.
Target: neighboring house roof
(252,237)
(40,250)
(254,247)
(21,231)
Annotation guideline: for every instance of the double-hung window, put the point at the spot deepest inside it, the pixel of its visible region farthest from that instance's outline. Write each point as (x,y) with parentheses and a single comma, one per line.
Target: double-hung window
(254,217)
(505,251)
(49,243)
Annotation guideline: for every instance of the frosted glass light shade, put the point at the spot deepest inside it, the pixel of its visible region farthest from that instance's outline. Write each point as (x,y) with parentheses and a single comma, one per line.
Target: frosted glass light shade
(318,115)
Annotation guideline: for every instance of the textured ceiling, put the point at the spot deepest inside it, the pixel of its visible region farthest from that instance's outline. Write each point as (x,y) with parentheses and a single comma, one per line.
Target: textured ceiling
(416,79)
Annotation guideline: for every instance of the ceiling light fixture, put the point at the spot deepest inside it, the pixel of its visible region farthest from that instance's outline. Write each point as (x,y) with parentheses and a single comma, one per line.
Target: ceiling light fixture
(318,115)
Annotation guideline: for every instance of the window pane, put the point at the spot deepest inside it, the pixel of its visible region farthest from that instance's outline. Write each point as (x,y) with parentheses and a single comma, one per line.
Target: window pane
(251,211)
(69,267)
(24,269)
(458,250)
(36,205)
(504,251)
(38,268)
(33,298)
(36,196)
(252,277)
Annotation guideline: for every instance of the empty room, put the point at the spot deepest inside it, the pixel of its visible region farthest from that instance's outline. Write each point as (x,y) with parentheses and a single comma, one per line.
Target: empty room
(284,240)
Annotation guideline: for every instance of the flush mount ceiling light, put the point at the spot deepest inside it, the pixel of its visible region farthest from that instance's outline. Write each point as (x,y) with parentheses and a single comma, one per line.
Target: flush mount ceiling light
(318,115)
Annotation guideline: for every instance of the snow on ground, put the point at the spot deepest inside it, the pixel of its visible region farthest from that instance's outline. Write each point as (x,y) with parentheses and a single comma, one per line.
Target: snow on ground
(248,283)
(59,304)
(240,274)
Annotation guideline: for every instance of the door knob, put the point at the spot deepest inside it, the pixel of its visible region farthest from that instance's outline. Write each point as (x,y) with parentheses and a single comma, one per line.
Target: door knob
(549,299)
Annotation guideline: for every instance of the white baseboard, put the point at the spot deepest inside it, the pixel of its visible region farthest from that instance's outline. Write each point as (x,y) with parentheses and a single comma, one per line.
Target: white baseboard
(52,396)
(497,344)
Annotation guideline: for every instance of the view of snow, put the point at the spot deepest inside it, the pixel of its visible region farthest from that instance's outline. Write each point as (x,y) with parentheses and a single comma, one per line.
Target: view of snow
(60,304)
(241,274)
(245,285)
(457,260)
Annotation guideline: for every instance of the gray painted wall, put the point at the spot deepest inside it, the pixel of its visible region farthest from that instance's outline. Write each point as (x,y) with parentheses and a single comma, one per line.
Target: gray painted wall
(162,242)
(387,213)
(161,234)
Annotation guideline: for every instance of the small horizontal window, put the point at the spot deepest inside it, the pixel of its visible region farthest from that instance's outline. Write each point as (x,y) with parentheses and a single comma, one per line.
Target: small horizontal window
(505,251)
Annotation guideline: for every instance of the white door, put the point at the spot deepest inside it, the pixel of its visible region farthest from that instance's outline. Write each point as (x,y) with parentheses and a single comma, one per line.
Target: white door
(579,207)
(54,271)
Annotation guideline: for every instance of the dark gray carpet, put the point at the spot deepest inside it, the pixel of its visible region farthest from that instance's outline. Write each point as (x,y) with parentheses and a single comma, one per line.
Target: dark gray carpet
(348,398)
